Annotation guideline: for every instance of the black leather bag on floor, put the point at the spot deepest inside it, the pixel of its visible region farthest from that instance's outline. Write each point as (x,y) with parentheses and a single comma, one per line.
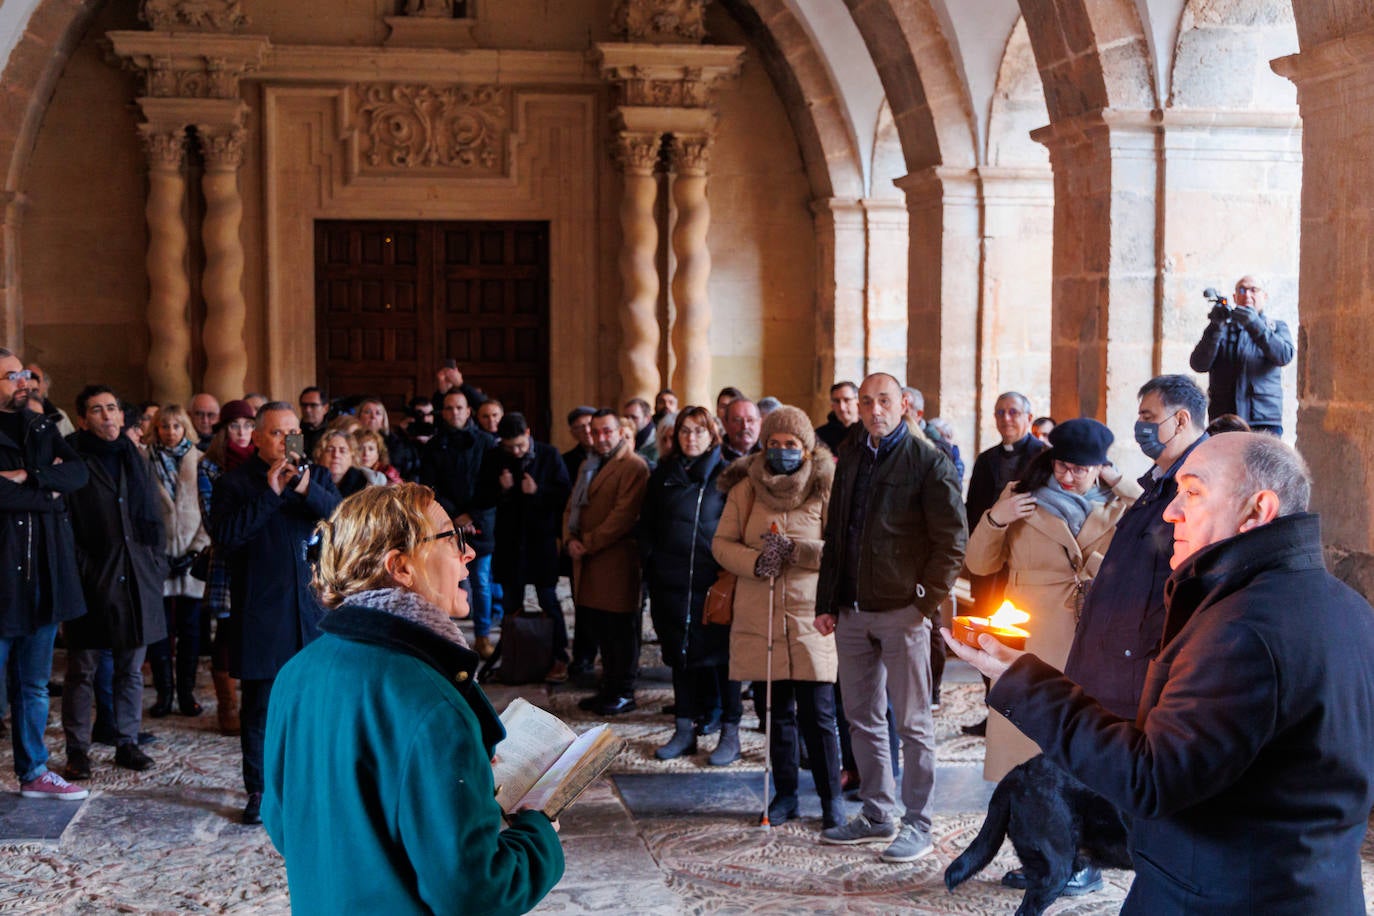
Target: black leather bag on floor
(525,652)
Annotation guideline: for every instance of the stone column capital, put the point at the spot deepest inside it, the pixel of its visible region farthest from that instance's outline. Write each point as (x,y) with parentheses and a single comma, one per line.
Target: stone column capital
(1349,58)
(1122,127)
(222,146)
(192,66)
(637,152)
(165,147)
(690,154)
(659,21)
(939,185)
(667,76)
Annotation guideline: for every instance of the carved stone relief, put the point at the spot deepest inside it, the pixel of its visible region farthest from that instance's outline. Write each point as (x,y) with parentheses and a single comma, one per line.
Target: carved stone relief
(165,149)
(436,9)
(419,126)
(637,153)
(659,21)
(222,147)
(217,79)
(195,15)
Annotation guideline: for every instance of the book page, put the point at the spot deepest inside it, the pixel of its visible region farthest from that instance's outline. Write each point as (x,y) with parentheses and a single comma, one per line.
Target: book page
(583,761)
(534,740)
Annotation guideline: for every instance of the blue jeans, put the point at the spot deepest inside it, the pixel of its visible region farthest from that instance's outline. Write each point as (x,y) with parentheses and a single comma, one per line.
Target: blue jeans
(478,584)
(31,660)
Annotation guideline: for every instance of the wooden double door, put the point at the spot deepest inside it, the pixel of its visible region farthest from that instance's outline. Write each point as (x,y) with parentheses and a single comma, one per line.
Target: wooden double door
(394,299)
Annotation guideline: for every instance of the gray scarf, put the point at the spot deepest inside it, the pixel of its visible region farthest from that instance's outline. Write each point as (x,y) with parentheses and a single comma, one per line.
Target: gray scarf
(409,606)
(1073,508)
(581,491)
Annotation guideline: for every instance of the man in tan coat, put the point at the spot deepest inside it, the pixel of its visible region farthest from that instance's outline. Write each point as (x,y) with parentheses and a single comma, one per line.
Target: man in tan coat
(598,528)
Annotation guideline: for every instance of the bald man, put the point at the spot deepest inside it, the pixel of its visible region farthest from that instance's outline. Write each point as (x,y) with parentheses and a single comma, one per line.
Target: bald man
(1242,352)
(1245,772)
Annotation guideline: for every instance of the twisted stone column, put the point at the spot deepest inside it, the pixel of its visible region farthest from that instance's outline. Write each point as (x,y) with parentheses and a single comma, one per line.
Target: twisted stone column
(637,154)
(692,329)
(169,289)
(226,361)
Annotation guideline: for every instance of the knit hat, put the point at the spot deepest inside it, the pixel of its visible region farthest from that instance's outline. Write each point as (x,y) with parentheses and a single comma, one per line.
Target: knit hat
(235,410)
(1083,442)
(789,419)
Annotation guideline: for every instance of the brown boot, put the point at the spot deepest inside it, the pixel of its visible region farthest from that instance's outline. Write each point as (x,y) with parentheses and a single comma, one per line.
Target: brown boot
(482,645)
(226,702)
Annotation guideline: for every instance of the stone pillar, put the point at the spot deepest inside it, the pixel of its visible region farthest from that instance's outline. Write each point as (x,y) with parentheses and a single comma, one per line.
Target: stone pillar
(169,289)
(1106,252)
(226,361)
(11,323)
(841,276)
(1335,83)
(942,298)
(885,287)
(1016,318)
(692,329)
(637,155)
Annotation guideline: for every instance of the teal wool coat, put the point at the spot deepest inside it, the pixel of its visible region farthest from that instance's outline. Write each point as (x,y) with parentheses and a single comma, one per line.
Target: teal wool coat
(379,786)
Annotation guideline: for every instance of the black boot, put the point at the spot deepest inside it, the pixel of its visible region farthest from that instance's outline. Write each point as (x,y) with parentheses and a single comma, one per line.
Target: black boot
(162,681)
(684,741)
(782,809)
(186,680)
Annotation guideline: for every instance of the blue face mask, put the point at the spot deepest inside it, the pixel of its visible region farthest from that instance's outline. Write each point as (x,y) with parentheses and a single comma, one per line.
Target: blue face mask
(783,460)
(1147,437)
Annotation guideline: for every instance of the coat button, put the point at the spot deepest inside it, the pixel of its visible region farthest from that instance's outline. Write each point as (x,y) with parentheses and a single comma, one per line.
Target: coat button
(461,677)
(1128,653)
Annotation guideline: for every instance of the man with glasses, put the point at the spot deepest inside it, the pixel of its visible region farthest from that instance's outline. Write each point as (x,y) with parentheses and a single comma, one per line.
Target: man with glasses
(314,405)
(1242,352)
(844,414)
(992,471)
(264,514)
(204,410)
(41,587)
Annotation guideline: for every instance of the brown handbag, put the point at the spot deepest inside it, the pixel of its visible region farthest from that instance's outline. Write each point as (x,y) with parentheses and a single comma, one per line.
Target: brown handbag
(720,597)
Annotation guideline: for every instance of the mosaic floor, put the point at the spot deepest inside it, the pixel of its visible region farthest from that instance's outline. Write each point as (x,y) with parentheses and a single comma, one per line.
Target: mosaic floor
(168,840)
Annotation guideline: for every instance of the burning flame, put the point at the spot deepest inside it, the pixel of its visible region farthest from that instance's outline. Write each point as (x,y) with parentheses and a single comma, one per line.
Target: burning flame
(1008,615)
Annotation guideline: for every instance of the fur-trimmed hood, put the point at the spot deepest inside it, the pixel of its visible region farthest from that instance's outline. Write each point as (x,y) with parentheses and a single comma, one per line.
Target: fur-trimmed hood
(783,492)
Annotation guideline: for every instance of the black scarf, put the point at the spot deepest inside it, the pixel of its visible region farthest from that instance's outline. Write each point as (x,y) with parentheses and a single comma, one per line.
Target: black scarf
(121,458)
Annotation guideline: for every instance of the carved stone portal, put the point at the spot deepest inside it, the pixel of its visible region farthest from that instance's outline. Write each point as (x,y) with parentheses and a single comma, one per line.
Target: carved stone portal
(417,126)
(659,21)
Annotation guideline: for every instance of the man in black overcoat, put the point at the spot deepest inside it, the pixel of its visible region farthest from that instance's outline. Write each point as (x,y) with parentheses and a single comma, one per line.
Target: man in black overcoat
(1245,775)
(264,513)
(121,545)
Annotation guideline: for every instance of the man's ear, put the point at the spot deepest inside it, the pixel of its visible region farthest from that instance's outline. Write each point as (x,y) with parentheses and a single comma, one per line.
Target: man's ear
(400,568)
(1260,509)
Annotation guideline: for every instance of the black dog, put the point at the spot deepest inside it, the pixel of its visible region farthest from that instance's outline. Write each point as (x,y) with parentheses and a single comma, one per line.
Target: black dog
(1057,825)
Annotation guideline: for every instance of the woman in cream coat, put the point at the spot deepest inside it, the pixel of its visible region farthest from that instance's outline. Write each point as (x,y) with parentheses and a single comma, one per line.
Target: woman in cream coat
(786,485)
(1050,529)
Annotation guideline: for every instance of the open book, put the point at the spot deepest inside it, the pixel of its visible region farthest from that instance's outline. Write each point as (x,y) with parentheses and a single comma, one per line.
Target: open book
(545,765)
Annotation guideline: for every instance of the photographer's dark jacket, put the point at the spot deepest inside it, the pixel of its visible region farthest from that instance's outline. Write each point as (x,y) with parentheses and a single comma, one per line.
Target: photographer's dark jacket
(274,611)
(37,548)
(527,524)
(120,544)
(1242,357)
(1246,769)
(451,464)
(911,546)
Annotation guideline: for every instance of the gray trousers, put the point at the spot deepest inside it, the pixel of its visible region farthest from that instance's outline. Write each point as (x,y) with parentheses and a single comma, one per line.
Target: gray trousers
(886,655)
(78,695)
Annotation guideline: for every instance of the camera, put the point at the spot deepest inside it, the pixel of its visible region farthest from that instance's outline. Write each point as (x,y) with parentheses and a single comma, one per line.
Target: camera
(1221,309)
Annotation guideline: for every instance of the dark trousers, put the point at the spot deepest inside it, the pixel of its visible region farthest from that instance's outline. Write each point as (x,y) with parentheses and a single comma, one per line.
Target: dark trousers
(183,642)
(808,708)
(78,695)
(697,691)
(937,666)
(618,636)
(253,734)
(585,646)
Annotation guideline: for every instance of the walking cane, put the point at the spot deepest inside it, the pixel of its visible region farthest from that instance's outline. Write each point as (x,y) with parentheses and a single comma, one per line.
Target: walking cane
(768,701)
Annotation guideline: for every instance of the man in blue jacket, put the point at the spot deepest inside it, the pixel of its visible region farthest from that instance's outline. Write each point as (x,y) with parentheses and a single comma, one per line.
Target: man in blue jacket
(264,513)
(1245,772)
(1242,352)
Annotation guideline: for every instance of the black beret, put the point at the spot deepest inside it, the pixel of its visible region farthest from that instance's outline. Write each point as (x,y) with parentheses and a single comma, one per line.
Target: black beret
(1083,441)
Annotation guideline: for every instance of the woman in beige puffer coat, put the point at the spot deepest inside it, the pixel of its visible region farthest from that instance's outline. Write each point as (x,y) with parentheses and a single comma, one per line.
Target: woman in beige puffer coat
(773,522)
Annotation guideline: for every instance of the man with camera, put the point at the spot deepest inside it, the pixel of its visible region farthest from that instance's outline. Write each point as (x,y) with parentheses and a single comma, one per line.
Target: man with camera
(264,513)
(1242,351)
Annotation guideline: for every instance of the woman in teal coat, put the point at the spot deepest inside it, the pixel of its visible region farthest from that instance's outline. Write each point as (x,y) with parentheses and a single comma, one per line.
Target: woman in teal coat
(379,741)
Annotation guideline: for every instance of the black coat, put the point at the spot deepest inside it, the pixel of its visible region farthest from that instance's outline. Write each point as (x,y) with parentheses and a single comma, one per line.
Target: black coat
(37,549)
(1246,770)
(527,525)
(451,464)
(403,455)
(274,611)
(1123,614)
(682,507)
(833,432)
(121,572)
(1244,378)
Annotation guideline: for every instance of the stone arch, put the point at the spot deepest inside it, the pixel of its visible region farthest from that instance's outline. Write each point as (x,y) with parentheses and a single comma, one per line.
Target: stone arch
(1018,106)
(921,80)
(1092,55)
(1223,53)
(808,92)
(888,163)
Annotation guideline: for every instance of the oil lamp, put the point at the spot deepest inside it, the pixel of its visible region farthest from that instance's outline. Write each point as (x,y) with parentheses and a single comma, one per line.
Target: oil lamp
(1002,625)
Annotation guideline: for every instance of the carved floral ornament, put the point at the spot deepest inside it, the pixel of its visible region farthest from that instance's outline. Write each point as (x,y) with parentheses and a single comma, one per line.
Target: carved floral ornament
(213,78)
(638,86)
(691,153)
(659,21)
(194,15)
(637,153)
(422,126)
(222,147)
(165,149)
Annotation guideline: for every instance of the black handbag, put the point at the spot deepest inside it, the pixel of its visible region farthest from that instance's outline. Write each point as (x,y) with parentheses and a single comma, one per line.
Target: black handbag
(200,566)
(525,652)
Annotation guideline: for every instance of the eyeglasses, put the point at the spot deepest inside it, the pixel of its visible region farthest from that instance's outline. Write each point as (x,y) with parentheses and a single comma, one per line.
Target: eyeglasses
(18,374)
(459,542)
(1010,413)
(1252,290)
(1077,471)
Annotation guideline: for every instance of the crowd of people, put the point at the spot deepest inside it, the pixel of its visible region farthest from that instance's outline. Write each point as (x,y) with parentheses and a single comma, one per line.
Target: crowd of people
(805,564)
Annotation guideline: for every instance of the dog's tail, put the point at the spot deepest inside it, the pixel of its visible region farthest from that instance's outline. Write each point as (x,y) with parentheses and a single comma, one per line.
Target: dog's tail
(988,841)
